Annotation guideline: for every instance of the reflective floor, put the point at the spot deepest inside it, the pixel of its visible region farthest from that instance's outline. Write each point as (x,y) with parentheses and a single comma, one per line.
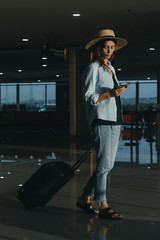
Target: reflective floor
(133,188)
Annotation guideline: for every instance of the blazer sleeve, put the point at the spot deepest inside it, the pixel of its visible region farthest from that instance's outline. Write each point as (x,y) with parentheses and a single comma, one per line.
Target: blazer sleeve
(89,81)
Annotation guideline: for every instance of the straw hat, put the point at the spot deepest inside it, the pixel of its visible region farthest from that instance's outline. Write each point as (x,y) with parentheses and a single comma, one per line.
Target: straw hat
(107,34)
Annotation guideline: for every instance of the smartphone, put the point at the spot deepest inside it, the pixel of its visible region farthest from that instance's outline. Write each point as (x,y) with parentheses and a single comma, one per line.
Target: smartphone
(125,84)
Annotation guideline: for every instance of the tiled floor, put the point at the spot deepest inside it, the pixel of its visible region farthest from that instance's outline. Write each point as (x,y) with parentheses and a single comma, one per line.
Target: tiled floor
(133,190)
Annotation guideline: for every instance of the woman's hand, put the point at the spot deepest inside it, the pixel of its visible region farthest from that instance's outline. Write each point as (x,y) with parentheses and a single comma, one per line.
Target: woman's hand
(118,91)
(113,93)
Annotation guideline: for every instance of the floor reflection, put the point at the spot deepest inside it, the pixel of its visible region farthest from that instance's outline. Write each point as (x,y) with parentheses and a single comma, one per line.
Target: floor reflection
(108,230)
(134,191)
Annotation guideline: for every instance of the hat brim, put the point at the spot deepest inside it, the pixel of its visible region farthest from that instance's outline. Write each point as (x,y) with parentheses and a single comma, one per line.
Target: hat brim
(120,42)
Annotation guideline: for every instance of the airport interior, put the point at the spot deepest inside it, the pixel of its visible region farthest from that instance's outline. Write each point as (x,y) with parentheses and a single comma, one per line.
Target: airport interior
(43,117)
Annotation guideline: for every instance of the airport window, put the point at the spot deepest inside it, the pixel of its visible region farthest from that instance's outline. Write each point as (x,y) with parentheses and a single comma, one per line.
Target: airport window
(129,97)
(140,95)
(51,97)
(148,96)
(139,130)
(8,97)
(32,97)
(40,97)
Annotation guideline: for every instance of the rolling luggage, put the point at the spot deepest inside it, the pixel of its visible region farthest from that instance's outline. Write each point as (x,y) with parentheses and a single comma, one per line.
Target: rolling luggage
(47,181)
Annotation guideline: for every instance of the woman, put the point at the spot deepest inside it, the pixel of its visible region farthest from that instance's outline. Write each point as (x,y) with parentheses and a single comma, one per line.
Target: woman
(103,107)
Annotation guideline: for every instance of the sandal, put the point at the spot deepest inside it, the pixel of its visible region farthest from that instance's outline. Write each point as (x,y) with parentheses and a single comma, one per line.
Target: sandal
(87,207)
(110,214)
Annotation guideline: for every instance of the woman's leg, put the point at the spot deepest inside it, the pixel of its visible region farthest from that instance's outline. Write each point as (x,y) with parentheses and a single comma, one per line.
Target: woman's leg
(105,210)
(106,140)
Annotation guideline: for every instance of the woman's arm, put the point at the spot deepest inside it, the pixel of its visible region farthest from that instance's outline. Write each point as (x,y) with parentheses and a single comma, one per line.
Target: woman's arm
(113,93)
(89,81)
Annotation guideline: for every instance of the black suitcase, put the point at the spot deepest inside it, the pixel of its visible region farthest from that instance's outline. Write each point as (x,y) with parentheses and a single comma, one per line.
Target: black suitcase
(47,181)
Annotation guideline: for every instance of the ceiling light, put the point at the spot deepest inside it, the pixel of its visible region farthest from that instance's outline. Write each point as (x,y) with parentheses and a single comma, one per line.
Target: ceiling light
(1,73)
(44,65)
(148,78)
(76,14)
(25,40)
(44,58)
(119,69)
(19,70)
(57,75)
(39,80)
(151,49)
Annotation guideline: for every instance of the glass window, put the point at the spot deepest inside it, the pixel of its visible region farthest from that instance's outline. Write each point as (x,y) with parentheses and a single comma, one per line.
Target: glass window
(38,97)
(8,97)
(128,98)
(148,96)
(51,97)
(32,97)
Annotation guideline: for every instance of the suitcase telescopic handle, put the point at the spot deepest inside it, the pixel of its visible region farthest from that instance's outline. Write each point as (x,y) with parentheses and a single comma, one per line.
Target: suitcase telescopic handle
(83,158)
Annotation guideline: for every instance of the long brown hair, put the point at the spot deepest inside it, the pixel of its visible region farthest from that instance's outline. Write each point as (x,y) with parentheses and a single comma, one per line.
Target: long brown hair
(97,52)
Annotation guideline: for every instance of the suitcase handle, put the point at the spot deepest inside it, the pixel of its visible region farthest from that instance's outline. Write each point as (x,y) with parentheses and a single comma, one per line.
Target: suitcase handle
(84,157)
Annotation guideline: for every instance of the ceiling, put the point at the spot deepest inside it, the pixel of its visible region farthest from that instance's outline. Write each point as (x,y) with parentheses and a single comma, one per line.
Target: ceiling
(50,23)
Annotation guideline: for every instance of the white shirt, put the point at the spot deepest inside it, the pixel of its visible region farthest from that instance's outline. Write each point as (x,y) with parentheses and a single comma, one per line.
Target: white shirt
(98,79)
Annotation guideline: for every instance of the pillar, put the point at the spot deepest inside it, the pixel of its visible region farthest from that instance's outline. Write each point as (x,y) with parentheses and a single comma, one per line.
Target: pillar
(72,90)
(17,98)
(0,97)
(46,96)
(137,96)
(158,109)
